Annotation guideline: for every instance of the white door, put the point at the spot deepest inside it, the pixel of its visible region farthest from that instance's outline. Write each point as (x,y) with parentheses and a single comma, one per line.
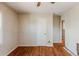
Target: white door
(41,31)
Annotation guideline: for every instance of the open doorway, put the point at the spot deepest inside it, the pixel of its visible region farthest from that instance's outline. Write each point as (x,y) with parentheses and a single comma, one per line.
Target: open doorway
(63,32)
(58,31)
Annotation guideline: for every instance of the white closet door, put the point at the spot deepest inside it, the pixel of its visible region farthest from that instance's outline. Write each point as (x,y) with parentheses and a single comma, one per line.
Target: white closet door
(41,31)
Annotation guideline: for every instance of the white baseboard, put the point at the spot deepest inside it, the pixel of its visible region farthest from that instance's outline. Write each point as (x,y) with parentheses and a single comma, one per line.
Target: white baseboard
(11,51)
(37,45)
(72,54)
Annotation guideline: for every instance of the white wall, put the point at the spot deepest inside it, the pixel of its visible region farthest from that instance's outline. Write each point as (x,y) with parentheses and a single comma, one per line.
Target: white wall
(0,29)
(56,29)
(71,26)
(9,29)
(29,28)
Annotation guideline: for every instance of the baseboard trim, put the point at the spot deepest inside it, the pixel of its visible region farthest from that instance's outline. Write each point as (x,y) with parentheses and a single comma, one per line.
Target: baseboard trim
(37,45)
(11,50)
(72,54)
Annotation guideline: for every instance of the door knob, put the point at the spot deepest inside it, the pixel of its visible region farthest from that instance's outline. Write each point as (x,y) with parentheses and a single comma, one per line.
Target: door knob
(45,33)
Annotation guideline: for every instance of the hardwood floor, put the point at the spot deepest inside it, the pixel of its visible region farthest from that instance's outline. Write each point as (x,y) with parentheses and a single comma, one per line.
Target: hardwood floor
(56,50)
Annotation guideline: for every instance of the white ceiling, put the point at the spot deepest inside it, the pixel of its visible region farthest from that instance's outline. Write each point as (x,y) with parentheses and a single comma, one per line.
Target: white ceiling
(45,7)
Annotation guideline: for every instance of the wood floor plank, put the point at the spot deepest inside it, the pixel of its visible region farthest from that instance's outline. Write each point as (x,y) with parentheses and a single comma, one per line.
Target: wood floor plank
(56,50)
